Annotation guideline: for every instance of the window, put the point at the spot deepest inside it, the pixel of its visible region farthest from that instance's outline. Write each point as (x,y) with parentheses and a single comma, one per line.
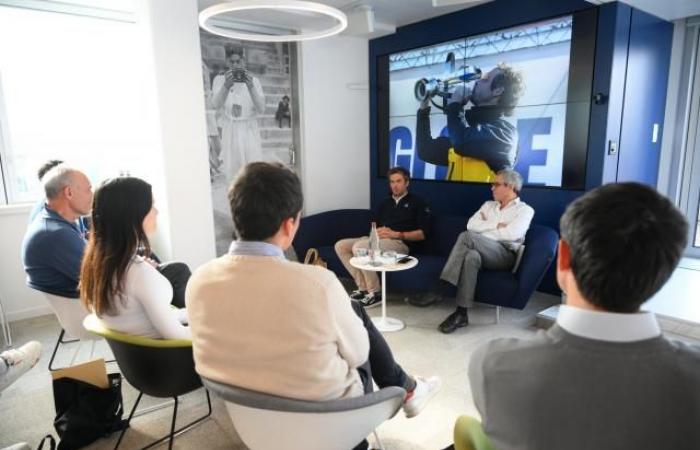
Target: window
(72,88)
(684,178)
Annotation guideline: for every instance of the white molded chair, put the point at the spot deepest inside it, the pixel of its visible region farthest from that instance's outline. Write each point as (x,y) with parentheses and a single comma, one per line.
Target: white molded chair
(70,313)
(306,425)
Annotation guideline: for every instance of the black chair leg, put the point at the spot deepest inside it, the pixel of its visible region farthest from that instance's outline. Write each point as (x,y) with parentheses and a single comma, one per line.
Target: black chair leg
(173,432)
(128,421)
(172,425)
(59,341)
(55,349)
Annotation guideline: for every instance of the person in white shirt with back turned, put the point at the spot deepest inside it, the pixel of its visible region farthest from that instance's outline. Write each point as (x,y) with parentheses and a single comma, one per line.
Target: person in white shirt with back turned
(492,239)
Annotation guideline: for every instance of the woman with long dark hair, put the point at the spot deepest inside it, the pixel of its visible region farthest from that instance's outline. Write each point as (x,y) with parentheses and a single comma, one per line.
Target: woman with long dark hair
(123,289)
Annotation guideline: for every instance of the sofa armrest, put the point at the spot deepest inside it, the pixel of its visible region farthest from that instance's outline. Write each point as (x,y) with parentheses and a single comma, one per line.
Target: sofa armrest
(540,252)
(326,228)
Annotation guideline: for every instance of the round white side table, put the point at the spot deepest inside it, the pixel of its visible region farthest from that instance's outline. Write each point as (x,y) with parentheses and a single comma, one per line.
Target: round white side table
(384,323)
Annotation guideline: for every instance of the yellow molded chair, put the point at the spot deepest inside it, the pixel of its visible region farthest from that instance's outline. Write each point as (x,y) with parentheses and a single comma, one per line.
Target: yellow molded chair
(162,368)
(469,435)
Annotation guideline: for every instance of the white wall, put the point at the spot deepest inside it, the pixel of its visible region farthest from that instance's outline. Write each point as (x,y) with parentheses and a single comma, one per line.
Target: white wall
(171,36)
(334,154)
(18,300)
(335,123)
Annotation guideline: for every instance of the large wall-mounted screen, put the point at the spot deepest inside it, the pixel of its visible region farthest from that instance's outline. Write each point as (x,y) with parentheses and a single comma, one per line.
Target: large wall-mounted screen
(516,98)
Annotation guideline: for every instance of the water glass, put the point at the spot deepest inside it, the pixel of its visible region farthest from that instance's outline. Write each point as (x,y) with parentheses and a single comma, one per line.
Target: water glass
(360,252)
(390,256)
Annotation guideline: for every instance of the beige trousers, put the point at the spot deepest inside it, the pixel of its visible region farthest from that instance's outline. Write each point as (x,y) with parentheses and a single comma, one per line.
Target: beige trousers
(366,280)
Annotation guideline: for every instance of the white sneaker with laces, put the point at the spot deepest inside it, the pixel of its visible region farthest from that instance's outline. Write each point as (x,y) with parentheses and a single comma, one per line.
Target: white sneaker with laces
(425,389)
(18,361)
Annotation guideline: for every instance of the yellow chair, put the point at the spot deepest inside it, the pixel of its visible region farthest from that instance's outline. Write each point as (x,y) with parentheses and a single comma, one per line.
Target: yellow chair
(469,435)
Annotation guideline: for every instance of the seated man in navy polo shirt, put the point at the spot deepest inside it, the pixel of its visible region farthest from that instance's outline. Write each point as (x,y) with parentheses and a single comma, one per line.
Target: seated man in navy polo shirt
(53,246)
(403,220)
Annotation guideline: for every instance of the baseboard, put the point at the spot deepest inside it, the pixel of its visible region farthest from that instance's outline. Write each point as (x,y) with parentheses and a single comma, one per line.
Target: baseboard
(29,313)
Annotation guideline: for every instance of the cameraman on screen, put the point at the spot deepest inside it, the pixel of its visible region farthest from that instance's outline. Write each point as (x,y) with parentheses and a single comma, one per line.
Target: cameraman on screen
(238,98)
(487,143)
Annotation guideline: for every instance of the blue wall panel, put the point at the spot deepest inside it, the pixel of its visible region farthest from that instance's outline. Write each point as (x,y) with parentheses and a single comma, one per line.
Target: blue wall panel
(609,80)
(648,58)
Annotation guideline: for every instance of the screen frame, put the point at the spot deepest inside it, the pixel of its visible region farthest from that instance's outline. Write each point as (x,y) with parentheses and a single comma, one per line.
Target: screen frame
(579,95)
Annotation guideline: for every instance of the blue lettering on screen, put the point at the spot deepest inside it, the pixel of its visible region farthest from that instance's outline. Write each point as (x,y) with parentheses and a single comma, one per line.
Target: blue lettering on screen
(400,148)
(401,152)
(528,156)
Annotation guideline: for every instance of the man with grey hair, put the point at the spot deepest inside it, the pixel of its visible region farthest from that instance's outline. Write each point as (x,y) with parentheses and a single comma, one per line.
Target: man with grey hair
(53,246)
(492,239)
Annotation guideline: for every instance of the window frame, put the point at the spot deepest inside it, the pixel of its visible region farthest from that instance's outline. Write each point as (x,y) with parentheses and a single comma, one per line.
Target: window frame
(65,7)
(679,170)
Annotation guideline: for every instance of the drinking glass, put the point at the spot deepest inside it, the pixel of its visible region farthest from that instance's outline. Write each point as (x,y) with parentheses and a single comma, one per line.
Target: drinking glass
(390,256)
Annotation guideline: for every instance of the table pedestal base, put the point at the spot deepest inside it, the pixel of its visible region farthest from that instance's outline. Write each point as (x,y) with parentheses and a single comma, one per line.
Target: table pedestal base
(388,324)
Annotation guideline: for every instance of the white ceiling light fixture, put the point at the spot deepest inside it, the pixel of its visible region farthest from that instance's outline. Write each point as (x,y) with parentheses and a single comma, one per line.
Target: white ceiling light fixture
(302,7)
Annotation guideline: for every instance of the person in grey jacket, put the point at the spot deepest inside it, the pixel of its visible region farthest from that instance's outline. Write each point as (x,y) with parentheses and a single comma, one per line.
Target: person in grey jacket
(603,377)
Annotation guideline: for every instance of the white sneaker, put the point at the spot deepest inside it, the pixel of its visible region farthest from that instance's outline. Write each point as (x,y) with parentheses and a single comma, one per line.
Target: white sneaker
(426,388)
(18,361)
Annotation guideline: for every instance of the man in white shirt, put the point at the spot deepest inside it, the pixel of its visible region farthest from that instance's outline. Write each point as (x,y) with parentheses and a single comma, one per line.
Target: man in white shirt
(602,377)
(492,239)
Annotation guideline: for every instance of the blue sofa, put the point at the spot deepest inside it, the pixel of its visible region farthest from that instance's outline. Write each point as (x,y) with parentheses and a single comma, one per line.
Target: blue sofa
(496,287)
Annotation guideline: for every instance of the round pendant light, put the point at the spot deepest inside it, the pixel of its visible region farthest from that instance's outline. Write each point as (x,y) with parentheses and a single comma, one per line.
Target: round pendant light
(303,7)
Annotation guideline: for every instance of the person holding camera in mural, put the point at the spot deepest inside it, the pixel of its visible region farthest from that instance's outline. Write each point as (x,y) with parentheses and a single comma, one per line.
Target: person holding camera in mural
(487,142)
(239,98)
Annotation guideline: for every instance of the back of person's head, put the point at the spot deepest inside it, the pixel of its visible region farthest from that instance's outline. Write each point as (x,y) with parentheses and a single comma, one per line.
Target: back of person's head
(56,179)
(262,196)
(513,86)
(625,240)
(48,165)
(118,211)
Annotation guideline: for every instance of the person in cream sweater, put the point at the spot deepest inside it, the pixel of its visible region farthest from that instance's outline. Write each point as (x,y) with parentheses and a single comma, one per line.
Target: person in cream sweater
(264,323)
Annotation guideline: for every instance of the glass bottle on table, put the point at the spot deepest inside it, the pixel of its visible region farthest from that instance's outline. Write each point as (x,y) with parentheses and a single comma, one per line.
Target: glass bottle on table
(374,250)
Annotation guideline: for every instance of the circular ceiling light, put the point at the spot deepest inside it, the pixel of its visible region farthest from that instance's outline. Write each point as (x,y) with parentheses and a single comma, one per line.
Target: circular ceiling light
(294,5)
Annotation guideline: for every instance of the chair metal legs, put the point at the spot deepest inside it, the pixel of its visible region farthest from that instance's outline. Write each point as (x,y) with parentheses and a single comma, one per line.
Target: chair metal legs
(128,421)
(60,341)
(173,432)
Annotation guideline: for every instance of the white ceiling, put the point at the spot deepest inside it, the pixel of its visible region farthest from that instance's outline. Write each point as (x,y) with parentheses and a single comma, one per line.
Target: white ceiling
(389,14)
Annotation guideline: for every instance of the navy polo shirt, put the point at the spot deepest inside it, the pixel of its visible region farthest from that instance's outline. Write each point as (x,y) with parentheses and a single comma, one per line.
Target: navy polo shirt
(409,214)
(52,251)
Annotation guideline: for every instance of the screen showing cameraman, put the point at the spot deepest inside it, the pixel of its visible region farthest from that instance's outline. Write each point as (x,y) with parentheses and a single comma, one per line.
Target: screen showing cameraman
(482,141)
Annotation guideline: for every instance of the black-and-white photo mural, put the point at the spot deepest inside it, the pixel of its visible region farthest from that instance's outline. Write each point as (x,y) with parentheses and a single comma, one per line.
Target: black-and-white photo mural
(250,112)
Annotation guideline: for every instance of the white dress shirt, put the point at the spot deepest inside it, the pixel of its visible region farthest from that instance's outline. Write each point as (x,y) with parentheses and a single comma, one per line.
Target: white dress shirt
(517,216)
(608,326)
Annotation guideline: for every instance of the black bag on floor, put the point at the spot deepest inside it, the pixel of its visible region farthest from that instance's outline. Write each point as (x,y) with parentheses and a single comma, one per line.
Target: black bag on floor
(84,412)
